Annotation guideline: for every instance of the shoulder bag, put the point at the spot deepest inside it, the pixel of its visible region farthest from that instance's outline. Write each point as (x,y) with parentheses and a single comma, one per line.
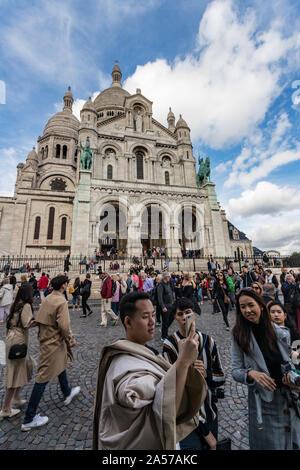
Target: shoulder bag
(18,351)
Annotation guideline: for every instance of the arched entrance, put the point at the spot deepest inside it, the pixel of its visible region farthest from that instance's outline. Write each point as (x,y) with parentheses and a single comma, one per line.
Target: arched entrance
(153,227)
(112,227)
(190,229)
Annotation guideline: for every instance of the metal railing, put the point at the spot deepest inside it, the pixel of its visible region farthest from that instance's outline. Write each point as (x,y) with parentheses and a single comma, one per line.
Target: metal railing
(81,264)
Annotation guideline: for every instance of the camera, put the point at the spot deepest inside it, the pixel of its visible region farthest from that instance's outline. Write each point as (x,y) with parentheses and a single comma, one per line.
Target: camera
(286,368)
(217,394)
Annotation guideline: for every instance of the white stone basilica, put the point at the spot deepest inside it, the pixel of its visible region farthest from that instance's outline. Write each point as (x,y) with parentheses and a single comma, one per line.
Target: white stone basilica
(133,197)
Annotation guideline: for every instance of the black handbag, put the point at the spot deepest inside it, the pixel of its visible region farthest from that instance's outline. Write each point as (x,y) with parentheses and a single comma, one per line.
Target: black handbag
(224,444)
(17,351)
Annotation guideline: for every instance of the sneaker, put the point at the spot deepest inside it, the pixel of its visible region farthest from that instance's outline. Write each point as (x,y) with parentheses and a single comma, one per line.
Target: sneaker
(82,316)
(73,394)
(90,313)
(6,414)
(35,423)
(227,328)
(163,339)
(102,324)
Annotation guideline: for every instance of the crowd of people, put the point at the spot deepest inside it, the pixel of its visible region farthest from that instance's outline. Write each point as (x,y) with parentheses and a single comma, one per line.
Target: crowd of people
(262,354)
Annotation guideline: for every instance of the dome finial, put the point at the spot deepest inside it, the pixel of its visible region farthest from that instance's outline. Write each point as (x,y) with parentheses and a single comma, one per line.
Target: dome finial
(116,75)
(68,100)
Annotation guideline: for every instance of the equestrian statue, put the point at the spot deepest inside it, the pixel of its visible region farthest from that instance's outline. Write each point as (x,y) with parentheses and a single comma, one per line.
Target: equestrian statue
(87,155)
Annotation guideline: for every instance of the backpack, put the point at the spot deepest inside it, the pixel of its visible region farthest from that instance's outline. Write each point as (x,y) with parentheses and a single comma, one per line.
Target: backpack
(294,295)
(113,287)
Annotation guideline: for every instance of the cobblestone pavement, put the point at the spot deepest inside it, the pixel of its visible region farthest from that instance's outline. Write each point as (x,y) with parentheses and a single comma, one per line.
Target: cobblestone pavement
(70,427)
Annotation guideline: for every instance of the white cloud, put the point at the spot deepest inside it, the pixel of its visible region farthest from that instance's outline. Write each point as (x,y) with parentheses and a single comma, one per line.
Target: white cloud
(277,235)
(225,87)
(262,154)
(265,198)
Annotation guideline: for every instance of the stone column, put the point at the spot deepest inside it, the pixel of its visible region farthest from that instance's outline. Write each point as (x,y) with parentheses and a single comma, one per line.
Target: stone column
(173,247)
(81,215)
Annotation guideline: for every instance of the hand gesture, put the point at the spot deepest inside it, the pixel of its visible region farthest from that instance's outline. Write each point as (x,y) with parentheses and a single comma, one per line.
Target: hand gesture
(287,381)
(188,348)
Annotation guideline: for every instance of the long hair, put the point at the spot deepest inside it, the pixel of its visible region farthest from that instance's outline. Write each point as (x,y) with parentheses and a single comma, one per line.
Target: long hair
(242,329)
(24,296)
(77,282)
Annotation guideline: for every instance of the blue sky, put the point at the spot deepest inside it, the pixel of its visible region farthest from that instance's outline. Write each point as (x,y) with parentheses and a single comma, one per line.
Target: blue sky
(228,67)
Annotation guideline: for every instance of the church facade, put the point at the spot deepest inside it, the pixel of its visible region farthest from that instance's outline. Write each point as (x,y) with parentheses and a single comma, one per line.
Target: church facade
(116,178)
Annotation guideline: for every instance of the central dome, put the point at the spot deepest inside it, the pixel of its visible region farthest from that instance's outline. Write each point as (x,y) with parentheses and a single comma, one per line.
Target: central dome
(113,96)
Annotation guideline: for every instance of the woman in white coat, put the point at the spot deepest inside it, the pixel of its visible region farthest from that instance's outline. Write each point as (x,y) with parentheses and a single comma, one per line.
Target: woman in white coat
(6,298)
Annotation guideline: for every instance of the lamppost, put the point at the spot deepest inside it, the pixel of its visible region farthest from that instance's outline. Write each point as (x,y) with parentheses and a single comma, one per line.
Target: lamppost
(178,264)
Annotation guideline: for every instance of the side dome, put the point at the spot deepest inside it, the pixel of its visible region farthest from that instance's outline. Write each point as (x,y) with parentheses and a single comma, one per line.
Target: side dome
(181,123)
(88,106)
(62,123)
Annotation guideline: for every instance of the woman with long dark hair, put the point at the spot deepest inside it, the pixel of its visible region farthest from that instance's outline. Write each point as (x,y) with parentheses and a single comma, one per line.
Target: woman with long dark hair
(259,349)
(189,291)
(220,296)
(18,372)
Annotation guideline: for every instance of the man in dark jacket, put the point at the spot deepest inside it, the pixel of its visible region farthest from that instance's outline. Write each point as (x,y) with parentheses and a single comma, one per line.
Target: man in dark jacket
(248,277)
(165,299)
(287,287)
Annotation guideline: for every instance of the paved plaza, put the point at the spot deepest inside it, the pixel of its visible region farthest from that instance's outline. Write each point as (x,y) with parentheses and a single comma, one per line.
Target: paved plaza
(70,427)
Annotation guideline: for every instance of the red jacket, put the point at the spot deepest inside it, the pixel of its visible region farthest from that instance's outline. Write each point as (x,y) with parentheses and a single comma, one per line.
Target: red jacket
(141,283)
(43,282)
(106,289)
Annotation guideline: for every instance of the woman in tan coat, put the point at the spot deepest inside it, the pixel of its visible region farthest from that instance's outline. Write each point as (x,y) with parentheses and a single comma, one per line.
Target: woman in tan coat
(56,340)
(18,372)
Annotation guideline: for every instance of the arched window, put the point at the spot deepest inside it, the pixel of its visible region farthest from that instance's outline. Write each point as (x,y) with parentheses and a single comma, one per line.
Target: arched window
(139,166)
(65,151)
(109,172)
(57,151)
(46,151)
(51,223)
(187,154)
(63,228)
(89,117)
(167,178)
(37,228)
(43,153)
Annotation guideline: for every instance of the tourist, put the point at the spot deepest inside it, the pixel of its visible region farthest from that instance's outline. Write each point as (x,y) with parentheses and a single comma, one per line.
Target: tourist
(147,388)
(269,293)
(284,272)
(286,289)
(294,297)
(116,295)
(257,287)
(188,290)
(18,372)
(135,281)
(129,283)
(209,364)
(56,340)
(75,292)
(178,286)
(247,277)
(123,287)
(270,278)
(42,285)
(165,301)
(32,280)
(148,285)
(258,351)
(154,299)
(220,297)
(106,297)
(13,280)
(85,292)
(67,263)
(6,299)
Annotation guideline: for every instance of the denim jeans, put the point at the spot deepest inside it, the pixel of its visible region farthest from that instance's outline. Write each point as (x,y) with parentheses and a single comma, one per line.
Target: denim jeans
(38,392)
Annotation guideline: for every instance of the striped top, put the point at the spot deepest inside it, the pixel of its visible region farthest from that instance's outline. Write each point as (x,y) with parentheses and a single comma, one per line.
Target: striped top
(212,363)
